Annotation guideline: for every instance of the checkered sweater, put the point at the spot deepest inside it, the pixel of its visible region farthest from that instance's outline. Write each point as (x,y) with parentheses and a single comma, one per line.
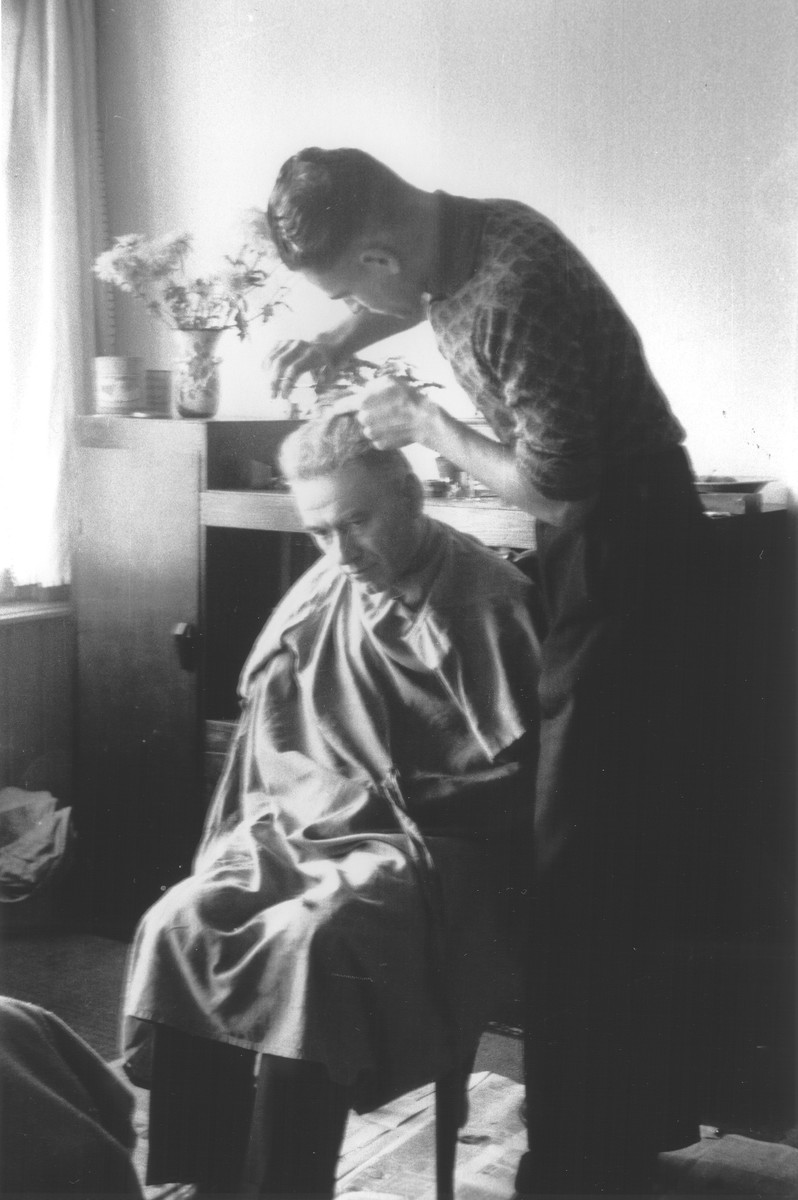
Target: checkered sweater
(544,350)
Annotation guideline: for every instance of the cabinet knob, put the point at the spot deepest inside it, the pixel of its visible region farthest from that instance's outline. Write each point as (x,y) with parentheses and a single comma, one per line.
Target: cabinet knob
(186,637)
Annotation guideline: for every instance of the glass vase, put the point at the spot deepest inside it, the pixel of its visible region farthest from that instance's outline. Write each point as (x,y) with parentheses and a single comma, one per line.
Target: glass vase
(197,372)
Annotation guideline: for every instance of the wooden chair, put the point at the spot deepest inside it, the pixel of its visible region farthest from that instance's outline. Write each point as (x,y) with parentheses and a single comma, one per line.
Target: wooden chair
(451,1090)
(451,1113)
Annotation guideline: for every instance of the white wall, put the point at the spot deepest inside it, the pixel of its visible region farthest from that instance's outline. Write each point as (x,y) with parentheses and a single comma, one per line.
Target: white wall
(659,134)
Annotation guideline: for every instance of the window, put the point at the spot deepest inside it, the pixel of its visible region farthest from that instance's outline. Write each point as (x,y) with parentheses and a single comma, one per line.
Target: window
(52,218)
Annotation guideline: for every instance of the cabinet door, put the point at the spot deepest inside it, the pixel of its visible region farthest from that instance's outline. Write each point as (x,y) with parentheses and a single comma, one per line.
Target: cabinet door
(138,809)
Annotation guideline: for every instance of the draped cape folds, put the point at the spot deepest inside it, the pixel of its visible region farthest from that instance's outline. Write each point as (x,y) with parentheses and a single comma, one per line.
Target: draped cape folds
(343,903)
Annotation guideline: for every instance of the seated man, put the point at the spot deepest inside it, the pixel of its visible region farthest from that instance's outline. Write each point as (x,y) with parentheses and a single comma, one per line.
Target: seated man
(344,904)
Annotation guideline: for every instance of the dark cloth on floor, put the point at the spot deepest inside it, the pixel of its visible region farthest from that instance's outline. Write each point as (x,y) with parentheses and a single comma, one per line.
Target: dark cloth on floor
(66,1120)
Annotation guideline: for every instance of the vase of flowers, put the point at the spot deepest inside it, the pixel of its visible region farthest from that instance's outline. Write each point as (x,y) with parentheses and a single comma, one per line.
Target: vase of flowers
(196,385)
(199,307)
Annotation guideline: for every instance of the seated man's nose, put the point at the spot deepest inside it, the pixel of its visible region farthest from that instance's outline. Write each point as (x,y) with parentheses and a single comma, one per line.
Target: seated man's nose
(344,549)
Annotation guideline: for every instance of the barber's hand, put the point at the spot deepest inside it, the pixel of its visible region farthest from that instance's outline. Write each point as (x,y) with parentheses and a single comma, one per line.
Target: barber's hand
(288,360)
(394,413)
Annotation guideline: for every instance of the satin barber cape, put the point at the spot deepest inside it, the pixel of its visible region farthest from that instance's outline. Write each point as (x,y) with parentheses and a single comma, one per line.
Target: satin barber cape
(342,907)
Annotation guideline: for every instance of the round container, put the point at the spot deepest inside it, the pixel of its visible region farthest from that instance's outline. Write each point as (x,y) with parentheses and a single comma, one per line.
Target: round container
(159,393)
(118,384)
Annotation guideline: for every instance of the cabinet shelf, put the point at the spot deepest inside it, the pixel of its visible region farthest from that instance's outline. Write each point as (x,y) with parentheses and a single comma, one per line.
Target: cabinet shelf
(494,523)
(271,511)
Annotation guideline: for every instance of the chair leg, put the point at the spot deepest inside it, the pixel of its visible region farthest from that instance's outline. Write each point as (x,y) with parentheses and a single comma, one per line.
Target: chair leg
(450,1115)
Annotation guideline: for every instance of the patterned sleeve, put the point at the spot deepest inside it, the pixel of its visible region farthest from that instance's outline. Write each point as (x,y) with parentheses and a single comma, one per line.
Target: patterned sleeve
(539,354)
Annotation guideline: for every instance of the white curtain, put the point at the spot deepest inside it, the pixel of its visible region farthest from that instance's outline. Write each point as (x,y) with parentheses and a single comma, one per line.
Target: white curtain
(52,228)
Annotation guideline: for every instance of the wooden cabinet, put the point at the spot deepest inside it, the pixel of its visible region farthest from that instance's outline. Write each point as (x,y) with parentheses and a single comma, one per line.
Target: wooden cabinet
(746,970)
(136,577)
(178,564)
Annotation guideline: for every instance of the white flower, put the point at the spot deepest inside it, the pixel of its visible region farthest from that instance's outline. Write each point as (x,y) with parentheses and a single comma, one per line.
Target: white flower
(154,271)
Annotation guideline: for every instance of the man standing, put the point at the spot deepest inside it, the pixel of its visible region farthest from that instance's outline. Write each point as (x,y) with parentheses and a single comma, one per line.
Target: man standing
(344,911)
(588,445)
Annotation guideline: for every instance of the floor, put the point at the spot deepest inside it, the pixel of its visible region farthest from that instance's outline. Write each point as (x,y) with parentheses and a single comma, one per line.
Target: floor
(388,1154)
(76,976)
(79,976)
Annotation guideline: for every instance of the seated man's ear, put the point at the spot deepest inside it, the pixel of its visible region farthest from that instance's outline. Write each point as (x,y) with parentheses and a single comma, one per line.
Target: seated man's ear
(413,491)
(379,259)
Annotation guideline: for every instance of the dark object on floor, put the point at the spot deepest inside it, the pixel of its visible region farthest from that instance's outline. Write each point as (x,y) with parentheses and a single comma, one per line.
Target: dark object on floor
(35,837)
(37,859)
(67,1120)
(731,1166)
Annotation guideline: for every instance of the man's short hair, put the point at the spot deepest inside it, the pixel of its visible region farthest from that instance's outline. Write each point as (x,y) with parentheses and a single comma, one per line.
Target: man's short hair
(329,441)
(323,199)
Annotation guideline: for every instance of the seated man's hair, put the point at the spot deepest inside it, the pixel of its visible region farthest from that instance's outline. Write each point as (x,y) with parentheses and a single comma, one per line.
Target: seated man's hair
(329,441)
(324,199)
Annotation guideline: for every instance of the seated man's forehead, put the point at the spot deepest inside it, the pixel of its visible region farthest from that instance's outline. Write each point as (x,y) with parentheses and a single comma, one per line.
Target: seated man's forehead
(351,490)
(360,480)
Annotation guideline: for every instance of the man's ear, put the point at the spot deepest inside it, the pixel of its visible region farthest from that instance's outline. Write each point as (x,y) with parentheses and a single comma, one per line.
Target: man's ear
(380,259)
(414,494)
